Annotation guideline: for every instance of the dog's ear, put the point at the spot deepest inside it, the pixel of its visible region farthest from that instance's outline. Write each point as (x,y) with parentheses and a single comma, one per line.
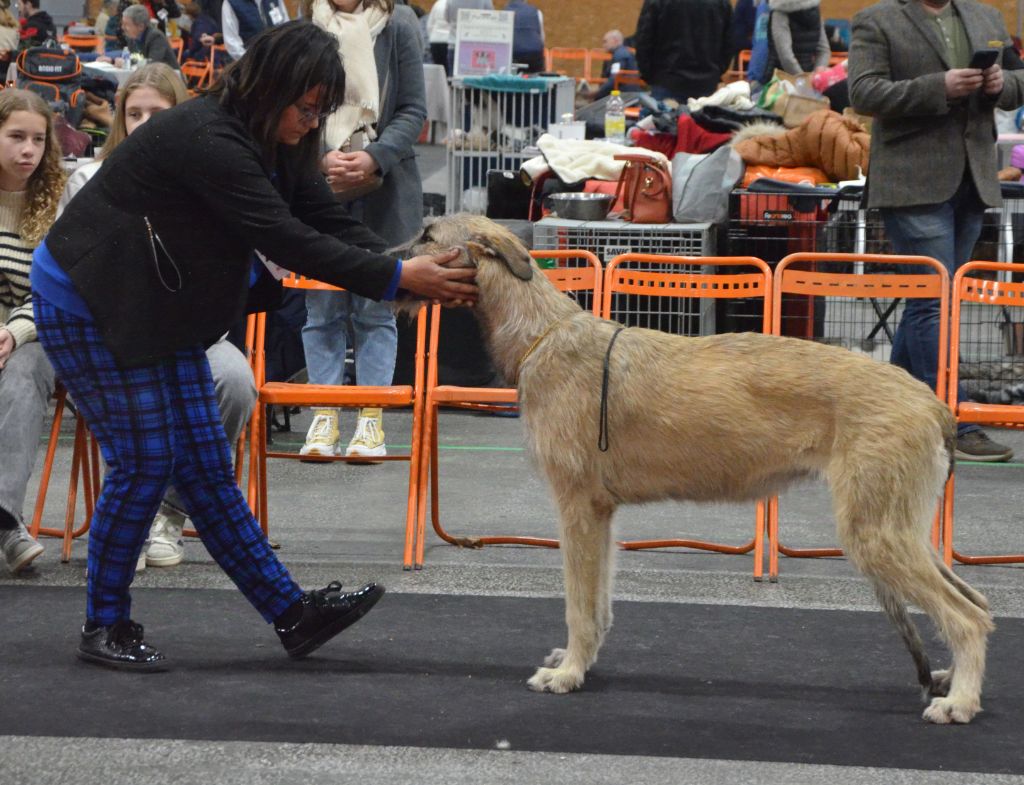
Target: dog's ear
(506,250)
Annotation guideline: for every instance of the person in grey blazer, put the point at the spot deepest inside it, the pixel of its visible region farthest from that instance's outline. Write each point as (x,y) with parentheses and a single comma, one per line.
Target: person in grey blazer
(933,157)
(392,81)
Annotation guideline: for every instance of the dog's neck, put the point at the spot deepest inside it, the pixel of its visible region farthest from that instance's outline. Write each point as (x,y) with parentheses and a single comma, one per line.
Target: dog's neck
(514,314)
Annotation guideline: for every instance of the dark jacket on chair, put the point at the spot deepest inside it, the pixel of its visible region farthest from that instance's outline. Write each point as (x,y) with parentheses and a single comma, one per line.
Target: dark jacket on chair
(199,177)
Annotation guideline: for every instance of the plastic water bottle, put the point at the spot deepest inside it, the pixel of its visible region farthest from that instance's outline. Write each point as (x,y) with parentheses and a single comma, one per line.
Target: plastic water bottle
(126,58)
(615,119)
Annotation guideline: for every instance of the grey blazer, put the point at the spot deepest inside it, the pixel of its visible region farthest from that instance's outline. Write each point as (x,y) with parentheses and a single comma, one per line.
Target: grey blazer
(921,144)
(395,210)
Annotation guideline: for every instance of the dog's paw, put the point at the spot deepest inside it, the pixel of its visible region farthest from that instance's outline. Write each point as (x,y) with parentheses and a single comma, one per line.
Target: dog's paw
(940,683)
(557,680)
(555,659)
(943,711)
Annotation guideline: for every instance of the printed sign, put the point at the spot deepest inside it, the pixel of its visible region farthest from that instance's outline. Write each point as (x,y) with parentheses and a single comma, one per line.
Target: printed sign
(483,43)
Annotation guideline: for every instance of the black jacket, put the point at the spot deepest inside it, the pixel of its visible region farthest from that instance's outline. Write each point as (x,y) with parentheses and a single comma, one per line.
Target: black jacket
(684,45)
(197,175)
(37,30)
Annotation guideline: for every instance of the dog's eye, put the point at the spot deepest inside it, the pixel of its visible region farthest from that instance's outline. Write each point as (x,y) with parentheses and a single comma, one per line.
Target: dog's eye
(426,236)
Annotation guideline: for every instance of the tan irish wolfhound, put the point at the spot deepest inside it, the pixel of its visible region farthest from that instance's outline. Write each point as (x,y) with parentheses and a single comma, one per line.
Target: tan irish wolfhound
(732,417)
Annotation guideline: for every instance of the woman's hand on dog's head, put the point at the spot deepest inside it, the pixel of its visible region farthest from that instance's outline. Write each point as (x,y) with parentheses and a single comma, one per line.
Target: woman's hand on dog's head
(428,277)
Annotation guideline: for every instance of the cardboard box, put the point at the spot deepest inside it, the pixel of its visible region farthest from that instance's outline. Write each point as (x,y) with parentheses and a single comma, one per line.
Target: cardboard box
(795,108)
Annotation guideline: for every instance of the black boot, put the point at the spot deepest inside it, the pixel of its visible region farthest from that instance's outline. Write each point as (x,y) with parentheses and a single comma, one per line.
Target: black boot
(120,646)
(325,613)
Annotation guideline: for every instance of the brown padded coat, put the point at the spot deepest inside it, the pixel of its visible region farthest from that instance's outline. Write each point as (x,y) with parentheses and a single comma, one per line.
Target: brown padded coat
(835,144)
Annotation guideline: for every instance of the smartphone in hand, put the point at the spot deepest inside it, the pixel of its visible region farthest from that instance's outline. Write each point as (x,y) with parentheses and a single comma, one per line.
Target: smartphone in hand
(984,58)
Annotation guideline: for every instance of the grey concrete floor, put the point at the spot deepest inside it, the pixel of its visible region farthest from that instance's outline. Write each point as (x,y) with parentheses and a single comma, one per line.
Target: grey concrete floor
(340,521)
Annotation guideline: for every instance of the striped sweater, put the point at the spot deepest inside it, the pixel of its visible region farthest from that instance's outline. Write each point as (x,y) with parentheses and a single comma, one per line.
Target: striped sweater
(15,261)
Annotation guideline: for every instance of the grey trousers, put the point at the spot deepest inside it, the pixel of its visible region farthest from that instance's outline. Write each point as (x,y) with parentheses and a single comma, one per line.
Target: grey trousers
(26,384)
(236,397)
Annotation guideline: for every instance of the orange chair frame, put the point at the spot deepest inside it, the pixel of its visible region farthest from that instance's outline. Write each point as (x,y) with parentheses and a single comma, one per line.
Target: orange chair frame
(597,57)
(177,46)
(322,395)
(812,283)
(201,71)
(85,463)
(696,285)
(976,290)
(84,43)
(567,279)
(626,78)
(573,54)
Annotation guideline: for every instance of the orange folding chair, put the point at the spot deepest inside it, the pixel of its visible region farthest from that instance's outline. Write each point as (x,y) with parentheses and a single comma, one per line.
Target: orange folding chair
(671,293)
(218,57)
(981,317)
(850,299)
(578,274)
(322,395)
(569,61)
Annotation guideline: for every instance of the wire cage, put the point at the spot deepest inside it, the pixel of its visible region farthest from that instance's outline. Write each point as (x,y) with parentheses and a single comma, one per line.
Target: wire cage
(608,239)
(494,129)
(991,339)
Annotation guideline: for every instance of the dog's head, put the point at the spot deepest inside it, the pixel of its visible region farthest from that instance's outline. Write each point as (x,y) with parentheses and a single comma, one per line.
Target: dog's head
(483,242)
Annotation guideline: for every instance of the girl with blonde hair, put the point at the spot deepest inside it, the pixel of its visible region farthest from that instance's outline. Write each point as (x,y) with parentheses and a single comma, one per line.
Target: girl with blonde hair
(31,180)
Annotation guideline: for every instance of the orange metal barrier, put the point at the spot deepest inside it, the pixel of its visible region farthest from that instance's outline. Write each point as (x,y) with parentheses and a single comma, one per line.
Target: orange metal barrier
(1004,295)
(583,277)
(801,274)
(697,285)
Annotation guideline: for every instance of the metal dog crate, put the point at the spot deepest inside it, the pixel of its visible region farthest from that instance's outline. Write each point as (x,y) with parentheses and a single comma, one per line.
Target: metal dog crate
(493,129)
(608,239)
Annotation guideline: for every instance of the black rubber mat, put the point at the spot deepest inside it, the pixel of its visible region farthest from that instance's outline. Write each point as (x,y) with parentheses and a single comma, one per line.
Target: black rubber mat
(696,681)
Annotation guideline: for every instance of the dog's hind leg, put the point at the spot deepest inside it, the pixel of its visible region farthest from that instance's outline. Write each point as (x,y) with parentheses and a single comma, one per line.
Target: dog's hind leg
(587,556)
(908,569)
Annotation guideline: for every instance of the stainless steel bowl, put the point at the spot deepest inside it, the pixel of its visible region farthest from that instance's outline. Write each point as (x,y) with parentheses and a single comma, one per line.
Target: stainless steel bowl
(581,206)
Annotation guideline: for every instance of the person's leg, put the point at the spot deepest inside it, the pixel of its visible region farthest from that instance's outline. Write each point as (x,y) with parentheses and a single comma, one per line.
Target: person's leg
(325,342)
(946,232)
(26,384)
(126,410)
(920,231)
(375,344)
(235,390)
(206,482)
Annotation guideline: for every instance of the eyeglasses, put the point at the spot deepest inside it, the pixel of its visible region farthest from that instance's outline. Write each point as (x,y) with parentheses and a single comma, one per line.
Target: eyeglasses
(311,116)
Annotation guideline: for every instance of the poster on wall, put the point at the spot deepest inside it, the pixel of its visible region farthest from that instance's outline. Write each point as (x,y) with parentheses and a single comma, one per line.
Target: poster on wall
(483,44)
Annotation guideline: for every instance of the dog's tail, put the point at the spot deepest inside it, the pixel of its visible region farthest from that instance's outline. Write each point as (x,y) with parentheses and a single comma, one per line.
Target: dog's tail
(897,613)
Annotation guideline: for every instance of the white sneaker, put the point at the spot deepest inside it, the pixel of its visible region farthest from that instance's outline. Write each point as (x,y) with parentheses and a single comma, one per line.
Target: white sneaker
(165,547)
(368,440)
(18,548)
(323,436)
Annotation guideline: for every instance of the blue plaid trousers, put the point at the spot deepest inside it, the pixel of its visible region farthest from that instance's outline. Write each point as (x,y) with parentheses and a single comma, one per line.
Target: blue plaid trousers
(156,425)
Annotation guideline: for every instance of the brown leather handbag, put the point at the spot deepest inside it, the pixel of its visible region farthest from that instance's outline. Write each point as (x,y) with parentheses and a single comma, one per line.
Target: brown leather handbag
(645,190)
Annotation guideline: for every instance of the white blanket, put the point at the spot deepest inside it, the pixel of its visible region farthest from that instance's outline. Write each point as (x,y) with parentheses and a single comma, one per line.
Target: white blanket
(573,160)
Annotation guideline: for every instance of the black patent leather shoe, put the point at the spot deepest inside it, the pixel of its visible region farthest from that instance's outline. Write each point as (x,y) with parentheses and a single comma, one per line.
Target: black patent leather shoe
(325,613)
(120,646)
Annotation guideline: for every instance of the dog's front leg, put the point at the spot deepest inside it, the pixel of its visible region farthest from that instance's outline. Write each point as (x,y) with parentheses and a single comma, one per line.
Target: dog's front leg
(587,561)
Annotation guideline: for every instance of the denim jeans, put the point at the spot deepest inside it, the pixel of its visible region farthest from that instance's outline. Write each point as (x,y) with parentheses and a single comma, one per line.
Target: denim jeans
(946,232)
(330,318)
(26,384)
